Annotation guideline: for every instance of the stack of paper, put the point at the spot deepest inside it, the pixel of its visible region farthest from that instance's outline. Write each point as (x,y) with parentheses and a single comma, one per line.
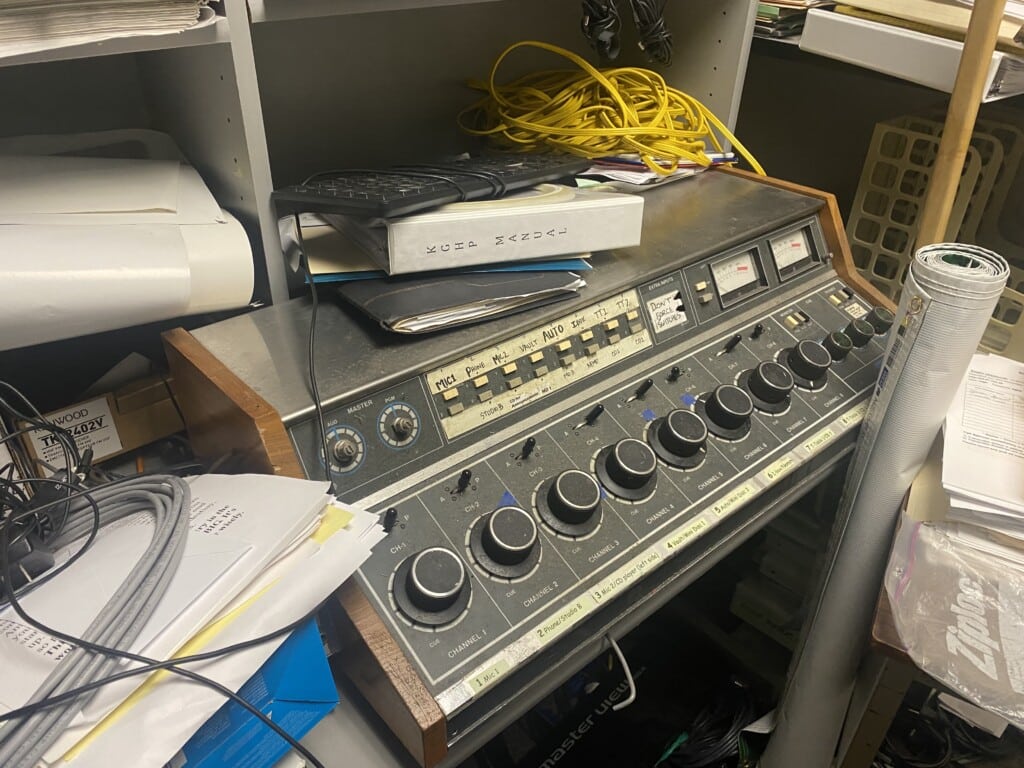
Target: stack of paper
(28,26)
(107,242)
(262,552)
(983,451)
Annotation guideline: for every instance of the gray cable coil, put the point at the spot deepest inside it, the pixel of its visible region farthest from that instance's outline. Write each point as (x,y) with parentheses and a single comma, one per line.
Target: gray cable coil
(119,623)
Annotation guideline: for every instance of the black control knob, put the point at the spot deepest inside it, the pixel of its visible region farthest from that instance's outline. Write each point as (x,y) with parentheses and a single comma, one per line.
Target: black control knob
(770,382)
(860,331)
(809,360)
(682,433)
(345,450)
(435,579)
(729,407)
(631,463)
(402,427)
(574,496)
(509,535)
(881,319)
(838,344)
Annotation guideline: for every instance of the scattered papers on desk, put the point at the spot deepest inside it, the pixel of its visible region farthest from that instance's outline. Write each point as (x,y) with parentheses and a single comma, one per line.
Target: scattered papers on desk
(106,242)
(628,172)
(262,551)
(983,447)
(29,26)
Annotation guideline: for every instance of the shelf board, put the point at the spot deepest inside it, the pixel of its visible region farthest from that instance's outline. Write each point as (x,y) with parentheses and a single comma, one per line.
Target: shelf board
(285,10)
(217,32)
(792,40)
(906,54)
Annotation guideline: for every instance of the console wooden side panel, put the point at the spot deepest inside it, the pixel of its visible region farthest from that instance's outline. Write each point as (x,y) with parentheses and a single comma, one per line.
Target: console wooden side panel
(225,418)
(835,236)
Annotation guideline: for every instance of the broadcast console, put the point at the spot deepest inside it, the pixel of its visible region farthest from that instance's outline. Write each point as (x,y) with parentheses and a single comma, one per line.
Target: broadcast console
(553,477)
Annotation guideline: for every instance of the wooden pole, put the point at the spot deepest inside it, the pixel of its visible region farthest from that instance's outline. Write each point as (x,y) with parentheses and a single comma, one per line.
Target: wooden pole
(982,33)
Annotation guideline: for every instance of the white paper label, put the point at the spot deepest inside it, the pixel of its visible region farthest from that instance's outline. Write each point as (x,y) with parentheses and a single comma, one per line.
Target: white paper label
(666,311)
(92,426)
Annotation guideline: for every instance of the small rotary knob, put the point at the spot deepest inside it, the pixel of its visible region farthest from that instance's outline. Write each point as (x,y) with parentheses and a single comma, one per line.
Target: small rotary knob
(838,344)
(435,580)
(881,319)
(631,463)
(402,427)
(574,496)
(809,360)
(770,382)
(345,450)
(860,331)
(682,433)
(509,535)
(729,407)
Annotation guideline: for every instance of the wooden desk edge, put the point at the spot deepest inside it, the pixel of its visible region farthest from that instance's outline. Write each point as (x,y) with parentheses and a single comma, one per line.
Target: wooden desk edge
(225,418)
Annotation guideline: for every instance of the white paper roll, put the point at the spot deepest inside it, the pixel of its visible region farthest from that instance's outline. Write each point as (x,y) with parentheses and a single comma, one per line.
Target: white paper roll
(62,281)
(947,299)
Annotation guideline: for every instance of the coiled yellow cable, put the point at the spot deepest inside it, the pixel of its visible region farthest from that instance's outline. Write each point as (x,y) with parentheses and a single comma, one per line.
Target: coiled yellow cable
(596,113)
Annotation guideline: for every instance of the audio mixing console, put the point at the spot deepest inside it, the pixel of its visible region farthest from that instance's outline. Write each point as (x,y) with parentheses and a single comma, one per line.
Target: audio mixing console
(555,476)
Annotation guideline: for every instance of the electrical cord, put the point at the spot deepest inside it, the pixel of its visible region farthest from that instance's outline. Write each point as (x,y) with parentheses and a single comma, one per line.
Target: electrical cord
(601,26)
(31,729)
(596,113)
(314,388)
(655,39)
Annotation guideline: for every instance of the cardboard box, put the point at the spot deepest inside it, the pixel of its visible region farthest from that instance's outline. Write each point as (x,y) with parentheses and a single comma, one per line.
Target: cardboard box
(294,687)
(111,424)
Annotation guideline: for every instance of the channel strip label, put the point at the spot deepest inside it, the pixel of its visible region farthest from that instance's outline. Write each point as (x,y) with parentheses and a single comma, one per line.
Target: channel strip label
(780,468)
(488,676)
(694,529)
(624,576)
(564,619)
(819,441)
(735,499)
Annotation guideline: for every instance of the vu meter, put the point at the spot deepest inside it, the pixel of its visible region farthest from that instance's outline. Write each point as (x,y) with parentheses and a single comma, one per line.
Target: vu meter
(791,252)
(735,277)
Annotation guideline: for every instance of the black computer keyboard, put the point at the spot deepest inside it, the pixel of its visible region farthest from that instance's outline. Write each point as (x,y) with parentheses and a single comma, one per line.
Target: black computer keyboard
(406,189)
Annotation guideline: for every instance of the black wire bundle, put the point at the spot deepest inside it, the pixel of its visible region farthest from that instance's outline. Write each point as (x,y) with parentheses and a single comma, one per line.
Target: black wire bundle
(39,507)
(601,26)
(655,39)
(714,734)
(930,737)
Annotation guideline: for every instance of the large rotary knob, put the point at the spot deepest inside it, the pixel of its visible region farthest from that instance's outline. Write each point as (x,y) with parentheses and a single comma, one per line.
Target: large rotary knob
(631,463)
(628,468)
(574,496)
(838,344)
(809,360)
(728,407)
(770,382)
(435,580)
(509,535)
(881,319)
(402,427)
(860,331)
(682,433)
(679,438)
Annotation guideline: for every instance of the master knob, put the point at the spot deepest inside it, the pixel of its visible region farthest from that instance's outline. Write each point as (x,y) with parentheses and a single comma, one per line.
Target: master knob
(881,319)
(809,360)
(770,382)
(728,408)
(574,497)
(509,535)
(679,438)
(345,450)
(838,344)
(860,331)
(436,579)
(628,468)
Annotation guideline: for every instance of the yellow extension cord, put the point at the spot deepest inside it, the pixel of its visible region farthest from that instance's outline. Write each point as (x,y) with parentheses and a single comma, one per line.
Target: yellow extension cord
(596,113)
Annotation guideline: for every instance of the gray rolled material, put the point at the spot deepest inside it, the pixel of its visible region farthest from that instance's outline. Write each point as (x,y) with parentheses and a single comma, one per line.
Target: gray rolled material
(166,499)
(948,297)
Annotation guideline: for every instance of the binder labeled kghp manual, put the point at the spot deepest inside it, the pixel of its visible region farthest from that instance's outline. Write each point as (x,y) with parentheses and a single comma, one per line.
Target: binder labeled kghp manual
(547,220)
